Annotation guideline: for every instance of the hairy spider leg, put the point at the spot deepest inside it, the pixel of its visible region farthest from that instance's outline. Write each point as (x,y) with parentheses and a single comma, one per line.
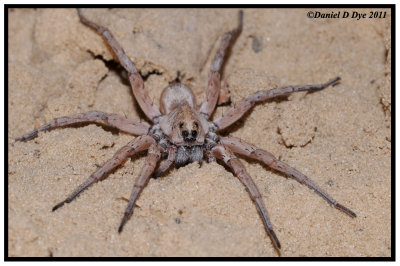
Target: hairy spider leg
(113,120)
(153,156)
(240,108)
(138,144)
(224,153)
(241,147)
(166,164)
(214,79)
(137,85)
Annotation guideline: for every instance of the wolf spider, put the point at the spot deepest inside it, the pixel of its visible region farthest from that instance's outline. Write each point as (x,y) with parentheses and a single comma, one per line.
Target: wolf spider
(181,131)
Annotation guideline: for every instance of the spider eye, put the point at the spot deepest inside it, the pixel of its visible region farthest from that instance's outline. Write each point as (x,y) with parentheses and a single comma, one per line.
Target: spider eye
(196,125)
(194,133)
(185,134)
(180,125)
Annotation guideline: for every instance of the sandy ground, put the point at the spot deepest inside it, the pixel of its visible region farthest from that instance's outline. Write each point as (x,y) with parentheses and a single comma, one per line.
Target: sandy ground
(339,137)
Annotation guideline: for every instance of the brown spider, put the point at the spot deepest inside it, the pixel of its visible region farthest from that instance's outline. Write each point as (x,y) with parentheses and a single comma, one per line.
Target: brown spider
(181,131)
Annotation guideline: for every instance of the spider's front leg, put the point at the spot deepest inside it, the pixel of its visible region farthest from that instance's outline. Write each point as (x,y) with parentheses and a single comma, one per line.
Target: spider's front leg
(113,120)
(241,147)
(138,144)
(214,79)
(166,164)
(239,109)
(152,158)
(137,85)
(223,153)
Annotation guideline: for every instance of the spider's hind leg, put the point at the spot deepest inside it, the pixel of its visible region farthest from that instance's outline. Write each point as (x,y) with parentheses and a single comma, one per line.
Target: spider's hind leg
(137,85)
(224,95)
(214,79)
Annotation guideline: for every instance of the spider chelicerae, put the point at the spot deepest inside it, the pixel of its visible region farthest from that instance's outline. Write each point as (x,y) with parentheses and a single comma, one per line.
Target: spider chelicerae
(182,132)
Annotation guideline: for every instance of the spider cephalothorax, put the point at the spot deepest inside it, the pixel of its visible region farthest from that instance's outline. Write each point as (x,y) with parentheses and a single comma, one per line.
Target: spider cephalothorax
(181,131)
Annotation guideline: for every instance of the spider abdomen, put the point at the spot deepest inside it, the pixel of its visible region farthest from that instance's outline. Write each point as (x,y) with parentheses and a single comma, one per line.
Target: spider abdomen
(175,95)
